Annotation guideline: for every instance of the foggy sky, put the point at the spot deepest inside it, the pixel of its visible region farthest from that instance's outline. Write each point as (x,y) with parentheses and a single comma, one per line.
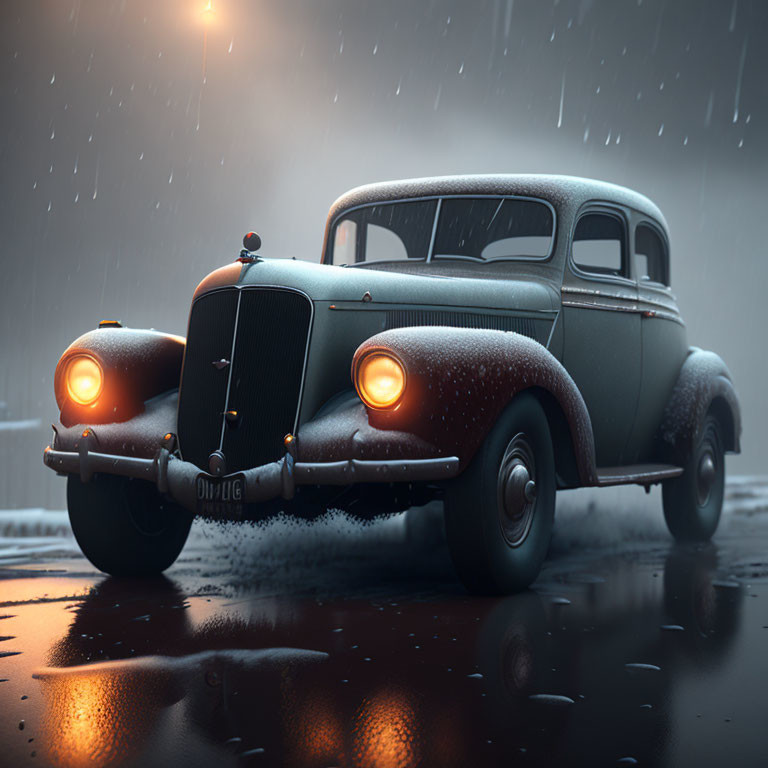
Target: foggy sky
(131,163)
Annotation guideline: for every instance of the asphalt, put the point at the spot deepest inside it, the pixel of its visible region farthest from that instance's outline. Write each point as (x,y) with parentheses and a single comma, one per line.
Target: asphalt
(336,644)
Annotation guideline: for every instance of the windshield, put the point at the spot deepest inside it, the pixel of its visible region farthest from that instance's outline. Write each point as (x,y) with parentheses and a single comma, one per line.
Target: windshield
(474,228)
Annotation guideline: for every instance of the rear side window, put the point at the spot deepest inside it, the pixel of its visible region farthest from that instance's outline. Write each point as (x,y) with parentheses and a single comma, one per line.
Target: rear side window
(650,256)
(599,244)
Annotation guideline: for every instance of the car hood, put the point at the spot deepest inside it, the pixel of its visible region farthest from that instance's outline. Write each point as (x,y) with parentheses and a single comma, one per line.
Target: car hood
(323,283)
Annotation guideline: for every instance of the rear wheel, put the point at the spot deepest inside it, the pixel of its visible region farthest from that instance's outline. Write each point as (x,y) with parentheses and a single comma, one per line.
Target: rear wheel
(693,502)
(124,526)
(500,510)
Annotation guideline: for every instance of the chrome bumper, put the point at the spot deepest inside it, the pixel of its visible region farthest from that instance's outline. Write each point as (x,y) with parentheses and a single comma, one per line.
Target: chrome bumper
(177,478)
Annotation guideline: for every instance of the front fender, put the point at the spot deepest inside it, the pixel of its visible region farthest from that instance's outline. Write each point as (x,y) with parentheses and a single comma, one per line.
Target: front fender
(460,379)
(704,383)
(137,365)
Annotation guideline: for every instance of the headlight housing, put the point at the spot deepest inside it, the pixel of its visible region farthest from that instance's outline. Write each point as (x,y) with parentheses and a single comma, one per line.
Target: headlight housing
(380,380)
(84,379)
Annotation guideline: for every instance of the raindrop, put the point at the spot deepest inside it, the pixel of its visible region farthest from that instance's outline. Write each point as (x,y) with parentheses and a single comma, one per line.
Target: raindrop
(53,78)
(710,108)
(53,134)
(562,97)
(397,91)
(90,138)
(170,178)
(375,49)
(49,206)
(635,667)
(685,141)
(231,43)
(661,85)
(560,601)
(461,68)
(141,156)
(552,36)
(672,627)
(732,24)
(586,135)
(437,96)
(737,97)
(476,676)
(661,129)
(77,196)
(741,143)
(551,698)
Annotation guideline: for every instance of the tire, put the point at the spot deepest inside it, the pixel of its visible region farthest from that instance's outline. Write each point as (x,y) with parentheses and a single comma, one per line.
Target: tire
(498,528)
(124,526)
(693,502)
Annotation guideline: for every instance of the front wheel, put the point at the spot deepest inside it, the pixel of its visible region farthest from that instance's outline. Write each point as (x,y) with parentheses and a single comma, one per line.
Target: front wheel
(124,526)
(693,501)
(499,512)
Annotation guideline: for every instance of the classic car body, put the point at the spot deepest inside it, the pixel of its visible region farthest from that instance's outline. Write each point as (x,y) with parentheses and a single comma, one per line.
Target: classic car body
(480,289)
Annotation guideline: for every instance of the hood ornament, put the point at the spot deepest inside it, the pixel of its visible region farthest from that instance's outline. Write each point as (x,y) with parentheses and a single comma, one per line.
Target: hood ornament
(251,244)
(220,365)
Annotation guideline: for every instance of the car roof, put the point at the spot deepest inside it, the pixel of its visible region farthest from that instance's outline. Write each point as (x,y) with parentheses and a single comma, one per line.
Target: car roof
(566,191)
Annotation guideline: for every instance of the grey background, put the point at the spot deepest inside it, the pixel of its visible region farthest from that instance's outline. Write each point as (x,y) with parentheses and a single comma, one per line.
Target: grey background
(130,168)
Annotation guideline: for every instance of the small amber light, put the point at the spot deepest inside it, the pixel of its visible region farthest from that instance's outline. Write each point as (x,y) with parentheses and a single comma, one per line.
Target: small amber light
(84,379)
(288,439)
(380,380)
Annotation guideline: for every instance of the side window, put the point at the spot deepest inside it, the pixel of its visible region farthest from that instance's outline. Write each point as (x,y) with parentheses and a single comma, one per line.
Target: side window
(599,244)
(345,242)
(650,256)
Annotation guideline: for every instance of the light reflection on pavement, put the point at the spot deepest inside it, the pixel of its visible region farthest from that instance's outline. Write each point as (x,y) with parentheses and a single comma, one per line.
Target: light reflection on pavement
(371,654)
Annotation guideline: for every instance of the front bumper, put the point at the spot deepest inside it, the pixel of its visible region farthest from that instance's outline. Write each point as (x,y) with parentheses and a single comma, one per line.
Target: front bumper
(177,478)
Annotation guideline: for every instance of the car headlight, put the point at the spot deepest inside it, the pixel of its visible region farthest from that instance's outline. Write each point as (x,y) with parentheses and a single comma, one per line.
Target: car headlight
(380,380)
(84,379)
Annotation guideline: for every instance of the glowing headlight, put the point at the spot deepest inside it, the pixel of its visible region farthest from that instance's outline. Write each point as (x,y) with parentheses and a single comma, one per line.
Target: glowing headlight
(380,380)
(84,379)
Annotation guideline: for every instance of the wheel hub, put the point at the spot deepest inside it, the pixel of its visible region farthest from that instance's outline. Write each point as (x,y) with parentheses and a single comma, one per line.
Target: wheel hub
(517,490)
(705,477)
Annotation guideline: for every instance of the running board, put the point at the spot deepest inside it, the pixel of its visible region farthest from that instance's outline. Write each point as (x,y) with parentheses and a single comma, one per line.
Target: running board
(639,474)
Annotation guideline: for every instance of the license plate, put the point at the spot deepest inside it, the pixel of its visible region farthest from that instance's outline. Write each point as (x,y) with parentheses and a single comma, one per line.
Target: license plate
(220,497)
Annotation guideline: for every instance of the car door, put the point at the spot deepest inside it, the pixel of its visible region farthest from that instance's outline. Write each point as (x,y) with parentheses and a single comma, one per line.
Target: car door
(664,343)
(601,326)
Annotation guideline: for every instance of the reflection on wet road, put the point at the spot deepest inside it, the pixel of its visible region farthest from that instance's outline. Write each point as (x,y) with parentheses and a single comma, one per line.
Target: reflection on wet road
(639,653)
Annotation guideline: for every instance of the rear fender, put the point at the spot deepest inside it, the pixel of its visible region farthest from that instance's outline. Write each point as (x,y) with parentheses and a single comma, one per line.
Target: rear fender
(704,384)
(137,365)
(460,379)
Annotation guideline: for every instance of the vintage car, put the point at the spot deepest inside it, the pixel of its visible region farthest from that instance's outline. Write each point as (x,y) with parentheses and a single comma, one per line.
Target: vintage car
(508,336)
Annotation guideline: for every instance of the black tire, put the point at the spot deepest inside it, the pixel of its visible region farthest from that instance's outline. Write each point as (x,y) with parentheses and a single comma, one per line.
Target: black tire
(693,502)
(124,526)
(498,540)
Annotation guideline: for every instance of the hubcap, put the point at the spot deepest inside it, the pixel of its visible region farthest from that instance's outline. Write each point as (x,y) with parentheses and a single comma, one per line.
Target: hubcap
(517,490)
(707,472)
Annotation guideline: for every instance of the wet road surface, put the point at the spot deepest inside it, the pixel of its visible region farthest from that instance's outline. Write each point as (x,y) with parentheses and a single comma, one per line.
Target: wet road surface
(342,645)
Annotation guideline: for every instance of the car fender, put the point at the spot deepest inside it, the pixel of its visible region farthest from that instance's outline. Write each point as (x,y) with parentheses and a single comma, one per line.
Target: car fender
(704,383)
(137,365)
(460,379)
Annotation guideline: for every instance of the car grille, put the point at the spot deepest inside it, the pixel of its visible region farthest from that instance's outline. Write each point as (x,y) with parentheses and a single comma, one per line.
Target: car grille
(263,334)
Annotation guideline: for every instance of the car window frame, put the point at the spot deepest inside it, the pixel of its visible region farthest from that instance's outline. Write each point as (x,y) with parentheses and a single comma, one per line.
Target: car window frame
(328,255)
(620,213)
(644,221)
